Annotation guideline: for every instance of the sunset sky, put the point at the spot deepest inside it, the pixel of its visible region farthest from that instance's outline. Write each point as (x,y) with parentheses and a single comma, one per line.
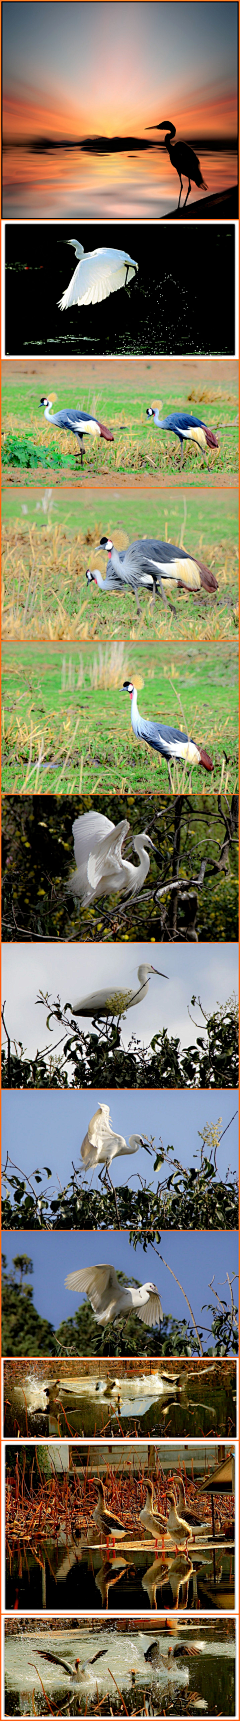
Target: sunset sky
(73,70)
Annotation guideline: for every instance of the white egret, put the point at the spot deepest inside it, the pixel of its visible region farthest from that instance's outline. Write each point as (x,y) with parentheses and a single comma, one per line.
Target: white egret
(100,865)
(101,1144)
(79,1671)
(109,1299)
(113,1001)
(98,274)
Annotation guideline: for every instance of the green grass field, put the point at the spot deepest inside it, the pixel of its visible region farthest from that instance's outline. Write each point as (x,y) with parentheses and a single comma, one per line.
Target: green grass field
(118,394)
(49,539)
(66,726)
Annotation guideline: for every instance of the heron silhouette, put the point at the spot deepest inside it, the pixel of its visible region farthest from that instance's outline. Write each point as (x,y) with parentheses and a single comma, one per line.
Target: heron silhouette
(183,158)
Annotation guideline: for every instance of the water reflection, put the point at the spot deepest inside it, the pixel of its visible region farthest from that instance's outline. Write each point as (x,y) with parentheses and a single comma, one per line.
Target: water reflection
(65,184)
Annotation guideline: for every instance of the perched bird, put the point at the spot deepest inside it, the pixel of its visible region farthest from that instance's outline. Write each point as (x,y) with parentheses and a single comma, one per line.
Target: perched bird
(183,158)
(179,1528)
(80,1671)
(154,1522)
(98,274)
(102,1144)
(195,1523)
(107,1522)
(114,1001)
(171,743)
(155,565)
(101,867)
(81,423)
(109,1299)
(187,429)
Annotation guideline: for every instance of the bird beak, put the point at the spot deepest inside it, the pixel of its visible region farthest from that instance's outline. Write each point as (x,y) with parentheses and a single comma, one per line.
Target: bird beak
(159,971)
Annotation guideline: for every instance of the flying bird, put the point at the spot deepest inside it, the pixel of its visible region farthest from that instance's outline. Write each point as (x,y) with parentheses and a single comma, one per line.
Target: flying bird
(187,428)
(183,158)
(98,274)
(101,867)
(109,1298)
(113,1001)
(101,1144)
(171,743)
(81,423)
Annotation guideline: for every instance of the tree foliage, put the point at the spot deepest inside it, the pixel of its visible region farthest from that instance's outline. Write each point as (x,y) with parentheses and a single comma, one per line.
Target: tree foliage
(80,1060)
(191,891)
(187,1199)
(25,1334)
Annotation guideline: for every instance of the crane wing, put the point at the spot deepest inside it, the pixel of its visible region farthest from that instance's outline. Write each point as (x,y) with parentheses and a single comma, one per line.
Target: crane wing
(91,828)
(109,856)
(151,1312)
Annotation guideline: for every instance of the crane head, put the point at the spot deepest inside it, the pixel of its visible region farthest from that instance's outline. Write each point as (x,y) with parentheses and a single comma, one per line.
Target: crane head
(150,411)
(127,688)
(89,576)
(45,401)
(105,544)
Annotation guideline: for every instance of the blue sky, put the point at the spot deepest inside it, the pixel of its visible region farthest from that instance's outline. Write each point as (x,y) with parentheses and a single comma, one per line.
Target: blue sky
(194,1257)
(47,1128)
(208,970)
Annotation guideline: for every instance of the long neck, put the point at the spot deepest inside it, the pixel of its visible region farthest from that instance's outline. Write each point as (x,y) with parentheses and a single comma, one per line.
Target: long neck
(134,710)
(47,409)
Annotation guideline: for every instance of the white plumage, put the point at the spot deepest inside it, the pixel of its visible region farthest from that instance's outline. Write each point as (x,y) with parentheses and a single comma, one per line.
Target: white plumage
(101,1144)
(98,274)
(101,868)
(113,1001)
(109,1299)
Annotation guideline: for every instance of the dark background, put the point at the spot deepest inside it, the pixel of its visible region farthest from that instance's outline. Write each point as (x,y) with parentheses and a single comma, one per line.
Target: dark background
(181,301)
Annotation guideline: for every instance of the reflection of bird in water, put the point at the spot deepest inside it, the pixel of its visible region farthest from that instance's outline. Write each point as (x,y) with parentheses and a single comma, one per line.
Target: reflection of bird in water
(183,158)
(176,1575)
(106,1521)
(80,1671)
(109,1574)
(154,1522)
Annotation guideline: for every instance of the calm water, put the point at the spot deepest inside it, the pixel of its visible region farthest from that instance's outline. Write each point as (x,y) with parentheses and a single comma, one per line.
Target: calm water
(65,184)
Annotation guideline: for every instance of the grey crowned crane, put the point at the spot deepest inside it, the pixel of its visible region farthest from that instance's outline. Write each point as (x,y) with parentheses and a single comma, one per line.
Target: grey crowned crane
(72,418)
(154,565)
(183,158)
(171,743)
(187,428)
(98,274)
